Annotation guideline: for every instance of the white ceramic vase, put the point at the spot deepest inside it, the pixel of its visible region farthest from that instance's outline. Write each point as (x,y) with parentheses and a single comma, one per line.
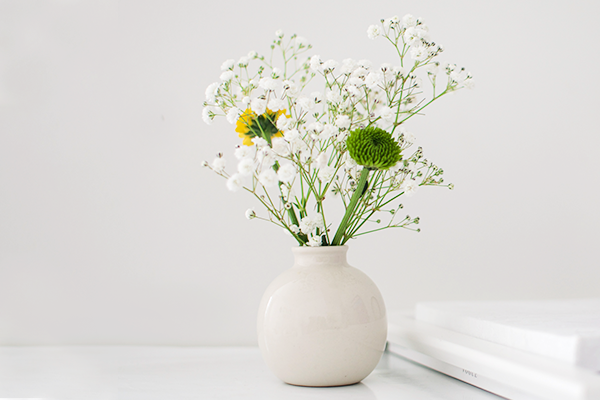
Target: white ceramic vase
(322,322)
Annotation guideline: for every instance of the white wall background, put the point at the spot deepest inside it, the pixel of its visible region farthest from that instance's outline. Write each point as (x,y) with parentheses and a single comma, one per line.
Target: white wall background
(111,232)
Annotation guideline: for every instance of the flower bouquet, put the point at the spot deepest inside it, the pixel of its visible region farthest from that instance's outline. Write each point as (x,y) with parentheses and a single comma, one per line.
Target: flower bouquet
(314,132)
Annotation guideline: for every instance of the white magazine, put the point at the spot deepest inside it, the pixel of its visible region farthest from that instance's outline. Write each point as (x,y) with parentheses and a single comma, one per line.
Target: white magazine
(507,372)
(567,329)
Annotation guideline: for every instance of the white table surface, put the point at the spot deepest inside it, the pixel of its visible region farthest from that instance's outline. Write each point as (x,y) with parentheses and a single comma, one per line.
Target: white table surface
(169,373)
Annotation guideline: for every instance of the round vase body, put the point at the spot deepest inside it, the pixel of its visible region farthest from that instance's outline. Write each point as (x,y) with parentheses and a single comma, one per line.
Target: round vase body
(322,322)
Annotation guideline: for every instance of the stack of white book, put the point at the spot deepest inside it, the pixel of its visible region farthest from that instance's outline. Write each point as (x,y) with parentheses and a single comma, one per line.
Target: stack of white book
(521,350)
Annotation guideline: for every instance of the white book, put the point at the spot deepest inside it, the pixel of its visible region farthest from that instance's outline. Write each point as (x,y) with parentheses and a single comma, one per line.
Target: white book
(505,371)
(566,330)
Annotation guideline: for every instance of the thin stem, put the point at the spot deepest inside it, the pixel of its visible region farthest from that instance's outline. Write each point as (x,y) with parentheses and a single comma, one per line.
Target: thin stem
(362,185)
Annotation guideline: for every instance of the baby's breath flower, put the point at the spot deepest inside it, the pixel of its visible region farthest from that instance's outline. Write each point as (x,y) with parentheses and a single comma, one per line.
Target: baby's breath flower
(360,73)
(276,104)
(386,23)
(250,213)
(326,173)
(314,127)
(373,80)
(334,96)
(409,187)
(348,66)
(286,191)
(419,53)
(218,164)
(342,121)
(385,67)
(268,84)
(211,91)
(299,146)
(424,30)
(315,63)
(243,152)
(259,106)
(246,166)
(408,21)
(328,131)
(227,75)
(301,42)
(283,121)
(407,136)
(243,61)
(208,114)
(306,103)
(400,71)
(281,147)
(329,66)
(357,81)
(268,178)
(373,31)
(352,90)
(432,68)
(266,157)
(314,241)
(227,64)
(252,54)
(468,82)
(233,115)
(286,173)
(321,160)
(397,180)
(412,36)
(234,183)
(279,33)
(340,137)
(291,88)
(387,114)
(317,97)
(449,67)
(456,76)
(291,135)
(391,22)
(260,142)
(309,224)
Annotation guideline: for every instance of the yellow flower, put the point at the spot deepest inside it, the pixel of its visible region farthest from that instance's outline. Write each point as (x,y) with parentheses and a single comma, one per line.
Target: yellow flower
(249,125)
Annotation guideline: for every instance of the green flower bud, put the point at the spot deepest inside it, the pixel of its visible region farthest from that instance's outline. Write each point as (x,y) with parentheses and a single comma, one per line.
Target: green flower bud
(373,148)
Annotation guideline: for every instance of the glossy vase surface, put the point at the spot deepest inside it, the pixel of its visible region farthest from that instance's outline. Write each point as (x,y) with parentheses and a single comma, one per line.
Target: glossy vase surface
(322,322)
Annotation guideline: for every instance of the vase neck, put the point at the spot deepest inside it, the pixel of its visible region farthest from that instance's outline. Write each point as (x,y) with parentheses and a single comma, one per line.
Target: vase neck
(320,256)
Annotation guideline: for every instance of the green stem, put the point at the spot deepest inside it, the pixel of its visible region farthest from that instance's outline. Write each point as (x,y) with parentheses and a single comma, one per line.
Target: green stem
(352,226)
(301,238)
(419,110)
(360,190)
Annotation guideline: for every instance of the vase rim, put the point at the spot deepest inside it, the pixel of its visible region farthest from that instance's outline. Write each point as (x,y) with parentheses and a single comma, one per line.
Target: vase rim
(323,249)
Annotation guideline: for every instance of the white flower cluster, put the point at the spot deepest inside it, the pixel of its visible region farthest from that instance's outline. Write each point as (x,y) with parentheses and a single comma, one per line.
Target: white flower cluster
(414,33)
(294,153)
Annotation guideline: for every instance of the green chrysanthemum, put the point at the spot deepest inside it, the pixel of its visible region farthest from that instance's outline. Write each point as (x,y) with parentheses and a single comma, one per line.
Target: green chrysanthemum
(373,148)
